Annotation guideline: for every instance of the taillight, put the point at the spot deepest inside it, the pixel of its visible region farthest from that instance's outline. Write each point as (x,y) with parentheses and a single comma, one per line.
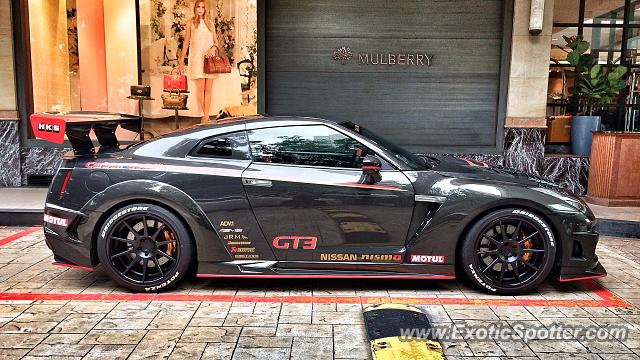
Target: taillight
(63,188)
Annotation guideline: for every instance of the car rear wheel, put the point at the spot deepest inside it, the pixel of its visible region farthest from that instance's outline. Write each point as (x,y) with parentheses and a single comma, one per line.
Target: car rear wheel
(508,251)
(145,247)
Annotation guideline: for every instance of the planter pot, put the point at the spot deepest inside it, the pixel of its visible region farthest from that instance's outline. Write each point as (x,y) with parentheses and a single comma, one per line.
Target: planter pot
(582,128)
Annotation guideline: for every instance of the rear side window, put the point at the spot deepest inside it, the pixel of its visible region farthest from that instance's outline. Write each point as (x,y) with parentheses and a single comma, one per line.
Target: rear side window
(227,146)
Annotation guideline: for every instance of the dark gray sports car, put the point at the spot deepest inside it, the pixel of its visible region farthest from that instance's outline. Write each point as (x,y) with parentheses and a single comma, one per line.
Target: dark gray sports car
(299,197)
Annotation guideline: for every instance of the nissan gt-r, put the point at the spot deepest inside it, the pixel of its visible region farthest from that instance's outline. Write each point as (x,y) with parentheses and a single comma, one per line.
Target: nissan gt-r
(279,197)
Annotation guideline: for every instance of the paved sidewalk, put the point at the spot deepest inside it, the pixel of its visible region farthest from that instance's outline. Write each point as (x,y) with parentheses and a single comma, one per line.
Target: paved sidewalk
(292,319)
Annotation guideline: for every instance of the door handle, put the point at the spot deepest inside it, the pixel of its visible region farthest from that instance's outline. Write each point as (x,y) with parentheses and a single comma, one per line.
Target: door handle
(257,182)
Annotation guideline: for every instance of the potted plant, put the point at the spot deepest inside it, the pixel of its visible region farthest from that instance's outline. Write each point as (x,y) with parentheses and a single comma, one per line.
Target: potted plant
(595,87)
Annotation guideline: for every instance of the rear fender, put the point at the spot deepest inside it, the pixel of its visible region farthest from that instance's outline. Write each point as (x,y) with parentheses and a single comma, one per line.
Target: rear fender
(208,243)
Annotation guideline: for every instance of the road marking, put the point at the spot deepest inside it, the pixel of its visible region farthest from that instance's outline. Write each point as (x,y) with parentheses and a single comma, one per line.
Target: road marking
(20,234)
(608,299)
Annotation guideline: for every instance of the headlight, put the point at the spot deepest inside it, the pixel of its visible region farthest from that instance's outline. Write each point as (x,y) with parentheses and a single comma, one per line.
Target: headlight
(573,202)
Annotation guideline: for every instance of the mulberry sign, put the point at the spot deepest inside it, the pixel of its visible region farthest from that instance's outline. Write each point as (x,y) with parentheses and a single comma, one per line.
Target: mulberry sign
(344,54)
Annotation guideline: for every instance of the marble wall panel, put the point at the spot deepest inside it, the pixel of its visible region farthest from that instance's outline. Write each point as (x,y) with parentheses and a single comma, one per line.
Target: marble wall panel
(40,161)
(572,173)
(9,154)
(524,150)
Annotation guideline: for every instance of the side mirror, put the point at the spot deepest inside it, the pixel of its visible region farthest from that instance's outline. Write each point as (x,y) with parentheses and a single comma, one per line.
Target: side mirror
(371,170)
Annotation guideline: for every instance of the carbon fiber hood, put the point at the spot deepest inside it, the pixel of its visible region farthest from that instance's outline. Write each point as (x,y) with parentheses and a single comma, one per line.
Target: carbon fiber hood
(477,170)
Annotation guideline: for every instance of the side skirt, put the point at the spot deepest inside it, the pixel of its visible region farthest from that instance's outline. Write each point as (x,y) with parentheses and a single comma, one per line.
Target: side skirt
(272,269)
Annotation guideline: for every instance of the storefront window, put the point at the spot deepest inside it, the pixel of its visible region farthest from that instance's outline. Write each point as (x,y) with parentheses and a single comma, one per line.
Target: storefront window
(612,28)
(86,55)
(163,28)
(603,11)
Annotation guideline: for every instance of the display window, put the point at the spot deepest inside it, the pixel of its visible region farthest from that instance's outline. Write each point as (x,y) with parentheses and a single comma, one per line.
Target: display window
(85,55)
(613,31)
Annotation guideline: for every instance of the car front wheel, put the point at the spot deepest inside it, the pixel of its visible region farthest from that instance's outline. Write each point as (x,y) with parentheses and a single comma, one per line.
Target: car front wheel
(144,247)
(508,251)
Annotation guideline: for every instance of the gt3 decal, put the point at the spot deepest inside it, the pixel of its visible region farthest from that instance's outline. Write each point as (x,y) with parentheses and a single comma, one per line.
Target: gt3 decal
(427,259)
(55,220)
(361,257)
(295,242)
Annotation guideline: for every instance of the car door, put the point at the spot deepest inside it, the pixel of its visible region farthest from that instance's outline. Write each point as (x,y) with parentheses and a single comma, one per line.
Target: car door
(305,186)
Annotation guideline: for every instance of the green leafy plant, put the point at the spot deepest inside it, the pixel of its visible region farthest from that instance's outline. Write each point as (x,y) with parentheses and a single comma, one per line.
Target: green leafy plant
(595,86)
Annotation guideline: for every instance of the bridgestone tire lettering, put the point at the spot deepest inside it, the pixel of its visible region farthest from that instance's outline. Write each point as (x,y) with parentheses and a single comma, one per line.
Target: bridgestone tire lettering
(540,222)
(118,215)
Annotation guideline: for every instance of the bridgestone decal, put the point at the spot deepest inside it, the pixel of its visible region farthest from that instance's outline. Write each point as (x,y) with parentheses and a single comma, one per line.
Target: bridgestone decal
(118,215)
(540,222)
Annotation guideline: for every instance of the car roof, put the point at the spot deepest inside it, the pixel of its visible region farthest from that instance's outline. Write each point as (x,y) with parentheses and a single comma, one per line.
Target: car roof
(251,122)
(257,121)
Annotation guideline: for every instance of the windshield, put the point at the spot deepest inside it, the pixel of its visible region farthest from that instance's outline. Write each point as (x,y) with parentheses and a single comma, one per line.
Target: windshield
(414,161)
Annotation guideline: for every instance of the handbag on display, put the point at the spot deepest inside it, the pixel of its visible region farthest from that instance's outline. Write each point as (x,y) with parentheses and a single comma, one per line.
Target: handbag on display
(175,80)
(141,90)
(174,99)
(218,64)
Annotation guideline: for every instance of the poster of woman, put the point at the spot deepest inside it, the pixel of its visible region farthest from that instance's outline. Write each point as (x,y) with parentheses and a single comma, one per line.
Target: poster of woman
(200,41)
(177,35)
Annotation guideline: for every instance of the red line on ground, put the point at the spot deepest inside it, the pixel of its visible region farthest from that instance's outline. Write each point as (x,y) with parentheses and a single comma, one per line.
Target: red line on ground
(72,266)
(583,278)
(608,299)
(20,234)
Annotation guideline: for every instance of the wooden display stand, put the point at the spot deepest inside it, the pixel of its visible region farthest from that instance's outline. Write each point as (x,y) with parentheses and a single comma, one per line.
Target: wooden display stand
(614,172)
(176,116)
(141,99)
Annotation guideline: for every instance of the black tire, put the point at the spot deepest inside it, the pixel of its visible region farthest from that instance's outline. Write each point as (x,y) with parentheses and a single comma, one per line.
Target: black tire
(145,258)
(509,251)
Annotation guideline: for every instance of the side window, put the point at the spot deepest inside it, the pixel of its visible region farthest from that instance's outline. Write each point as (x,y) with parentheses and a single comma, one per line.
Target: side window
(313,145)
(227,146)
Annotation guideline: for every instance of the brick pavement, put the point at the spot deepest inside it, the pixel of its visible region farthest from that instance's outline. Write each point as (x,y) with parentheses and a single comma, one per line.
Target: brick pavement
(289,319)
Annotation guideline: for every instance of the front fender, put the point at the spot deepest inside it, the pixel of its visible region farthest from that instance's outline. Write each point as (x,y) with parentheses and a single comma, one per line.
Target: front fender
(467,201)
(208,243)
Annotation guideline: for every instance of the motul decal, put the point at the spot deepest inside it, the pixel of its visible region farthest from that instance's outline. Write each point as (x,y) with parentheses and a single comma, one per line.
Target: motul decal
(48,128)
(55,220)
(474,163)
(295,242)
(427,259)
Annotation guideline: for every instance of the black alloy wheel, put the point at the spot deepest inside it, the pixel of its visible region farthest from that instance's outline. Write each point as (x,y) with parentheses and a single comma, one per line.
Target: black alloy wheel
(509,251)
(144,247)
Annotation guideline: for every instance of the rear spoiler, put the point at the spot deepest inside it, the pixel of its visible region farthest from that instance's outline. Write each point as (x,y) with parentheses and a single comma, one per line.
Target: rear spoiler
(52,126)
